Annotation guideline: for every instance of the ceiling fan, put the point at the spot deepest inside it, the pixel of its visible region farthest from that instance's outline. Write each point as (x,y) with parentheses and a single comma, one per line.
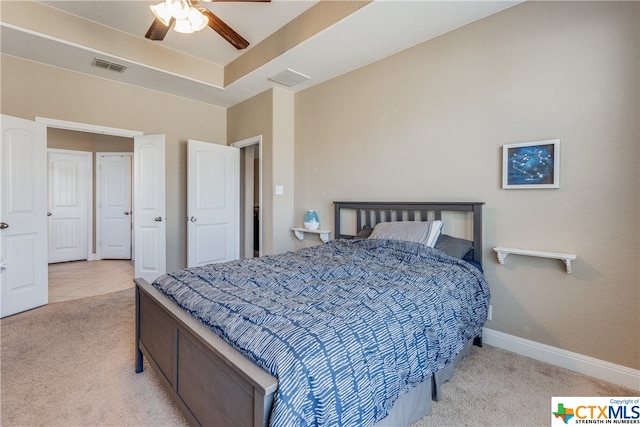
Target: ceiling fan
(186,17)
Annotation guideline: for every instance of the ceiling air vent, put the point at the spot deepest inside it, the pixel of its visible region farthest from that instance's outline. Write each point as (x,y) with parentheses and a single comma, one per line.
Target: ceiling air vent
(289,77)
(101,63)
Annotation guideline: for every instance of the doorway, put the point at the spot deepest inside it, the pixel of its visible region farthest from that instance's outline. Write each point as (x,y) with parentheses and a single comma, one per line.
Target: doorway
(115,183)
(105,187)
(250,196)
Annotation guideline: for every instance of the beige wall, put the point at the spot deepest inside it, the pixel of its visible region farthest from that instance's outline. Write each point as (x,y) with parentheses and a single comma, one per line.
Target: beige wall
(429,123)
(84,141)
(283,167)
(32,90)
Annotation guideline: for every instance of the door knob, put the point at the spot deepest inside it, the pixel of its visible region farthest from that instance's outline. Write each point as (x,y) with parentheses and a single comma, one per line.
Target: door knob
(49,214)
(127,212)
(158,219)
(193,219)
(3,225)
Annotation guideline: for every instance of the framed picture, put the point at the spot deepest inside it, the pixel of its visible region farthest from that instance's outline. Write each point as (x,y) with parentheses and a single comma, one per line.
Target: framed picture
(529,165)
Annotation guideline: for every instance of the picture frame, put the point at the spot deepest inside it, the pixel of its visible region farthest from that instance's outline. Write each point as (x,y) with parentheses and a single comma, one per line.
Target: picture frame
(531,165)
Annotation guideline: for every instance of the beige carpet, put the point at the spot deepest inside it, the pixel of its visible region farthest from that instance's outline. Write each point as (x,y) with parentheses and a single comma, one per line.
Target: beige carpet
(72,364)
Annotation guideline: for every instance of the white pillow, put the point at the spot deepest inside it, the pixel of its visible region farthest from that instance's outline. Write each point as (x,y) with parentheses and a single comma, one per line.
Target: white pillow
(436,228)
(425,232)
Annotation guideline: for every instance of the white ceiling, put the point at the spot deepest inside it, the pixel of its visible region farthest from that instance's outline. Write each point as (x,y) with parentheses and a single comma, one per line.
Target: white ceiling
(373,32)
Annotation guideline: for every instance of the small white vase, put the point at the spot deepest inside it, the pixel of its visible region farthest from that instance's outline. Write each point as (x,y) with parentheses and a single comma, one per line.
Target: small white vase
(311,220)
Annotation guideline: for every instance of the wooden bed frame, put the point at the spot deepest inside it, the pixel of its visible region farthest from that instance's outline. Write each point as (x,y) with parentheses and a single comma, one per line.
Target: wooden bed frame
(211,382)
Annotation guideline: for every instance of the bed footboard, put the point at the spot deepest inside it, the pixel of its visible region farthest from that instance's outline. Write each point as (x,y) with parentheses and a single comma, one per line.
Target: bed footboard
(210,381)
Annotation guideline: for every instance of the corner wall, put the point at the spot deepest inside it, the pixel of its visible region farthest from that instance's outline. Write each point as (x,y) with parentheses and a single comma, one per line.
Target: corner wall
(270,114)
(429,124)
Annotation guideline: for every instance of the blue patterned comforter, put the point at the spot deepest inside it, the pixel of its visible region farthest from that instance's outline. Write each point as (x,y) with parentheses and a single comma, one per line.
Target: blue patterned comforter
(346,327)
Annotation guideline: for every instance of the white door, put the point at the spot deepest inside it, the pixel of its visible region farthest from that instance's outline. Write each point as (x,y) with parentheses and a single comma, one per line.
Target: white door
(149,211)
(213,174)
(23,215)
(69,174)
(115,205)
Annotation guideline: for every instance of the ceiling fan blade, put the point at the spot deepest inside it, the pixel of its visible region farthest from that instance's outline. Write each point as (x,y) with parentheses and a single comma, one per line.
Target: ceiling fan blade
(220,27)
(158,30)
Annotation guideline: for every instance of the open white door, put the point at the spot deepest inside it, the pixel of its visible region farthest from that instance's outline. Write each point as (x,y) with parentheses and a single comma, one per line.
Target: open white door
(23,210)
(213,233)
(149,210)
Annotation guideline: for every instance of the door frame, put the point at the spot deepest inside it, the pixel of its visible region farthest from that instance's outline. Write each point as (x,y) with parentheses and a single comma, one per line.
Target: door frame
(89,128)
(84,127)
(88,193)
(98,208)
(245,143)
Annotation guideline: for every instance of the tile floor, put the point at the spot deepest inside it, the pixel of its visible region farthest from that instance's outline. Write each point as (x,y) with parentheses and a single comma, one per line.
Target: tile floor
(80,279)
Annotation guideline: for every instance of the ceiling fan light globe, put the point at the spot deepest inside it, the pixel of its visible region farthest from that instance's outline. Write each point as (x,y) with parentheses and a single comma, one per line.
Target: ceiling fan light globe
(198,20)
(162,12)
(179,8)
(183,26)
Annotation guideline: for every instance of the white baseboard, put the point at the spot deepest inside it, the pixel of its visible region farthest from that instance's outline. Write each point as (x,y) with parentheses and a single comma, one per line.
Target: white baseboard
(586,365)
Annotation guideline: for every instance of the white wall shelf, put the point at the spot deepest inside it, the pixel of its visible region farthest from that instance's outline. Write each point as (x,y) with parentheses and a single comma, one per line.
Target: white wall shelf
(566,258)
(324,234)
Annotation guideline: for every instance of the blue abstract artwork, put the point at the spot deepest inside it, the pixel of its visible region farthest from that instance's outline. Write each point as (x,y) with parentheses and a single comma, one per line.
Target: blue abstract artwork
(531,165)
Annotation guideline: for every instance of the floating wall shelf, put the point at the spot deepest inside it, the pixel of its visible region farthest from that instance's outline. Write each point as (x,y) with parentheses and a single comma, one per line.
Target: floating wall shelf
(324,234)
(566,258)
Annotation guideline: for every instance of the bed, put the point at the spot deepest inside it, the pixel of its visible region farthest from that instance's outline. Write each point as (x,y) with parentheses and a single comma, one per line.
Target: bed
(258,349)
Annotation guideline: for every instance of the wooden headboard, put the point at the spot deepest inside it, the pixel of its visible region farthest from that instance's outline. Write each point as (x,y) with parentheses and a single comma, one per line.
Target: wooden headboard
(372,213)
